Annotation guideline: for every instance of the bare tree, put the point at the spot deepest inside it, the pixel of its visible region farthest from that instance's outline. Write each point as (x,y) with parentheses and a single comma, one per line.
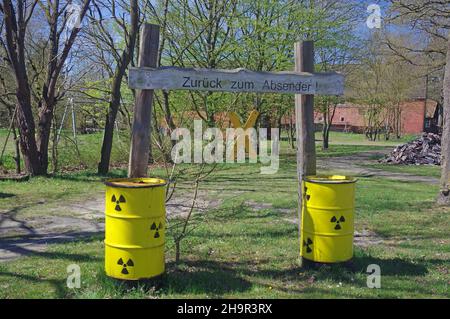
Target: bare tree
(199,35)
(17,15)
(431,20)
(105,17)
(326,105)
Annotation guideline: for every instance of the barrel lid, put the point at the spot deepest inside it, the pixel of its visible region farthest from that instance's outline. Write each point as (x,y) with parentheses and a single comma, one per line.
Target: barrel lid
(140,182)
(330,179)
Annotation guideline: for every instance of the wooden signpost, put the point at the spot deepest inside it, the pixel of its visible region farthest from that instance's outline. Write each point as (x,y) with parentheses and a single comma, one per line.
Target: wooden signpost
(238,80)
(304,125)
(302,82)
(140,136)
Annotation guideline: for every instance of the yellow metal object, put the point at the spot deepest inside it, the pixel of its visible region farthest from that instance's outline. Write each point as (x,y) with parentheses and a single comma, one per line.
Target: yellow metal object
(328,218)
(250,149)
(135,227)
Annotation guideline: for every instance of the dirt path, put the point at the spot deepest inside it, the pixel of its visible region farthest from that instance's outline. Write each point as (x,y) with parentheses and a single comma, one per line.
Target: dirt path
(20,236)
(354,164)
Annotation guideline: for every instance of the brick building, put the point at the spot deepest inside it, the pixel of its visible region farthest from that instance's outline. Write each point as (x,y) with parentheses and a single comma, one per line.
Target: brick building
(350,117)
(416,115)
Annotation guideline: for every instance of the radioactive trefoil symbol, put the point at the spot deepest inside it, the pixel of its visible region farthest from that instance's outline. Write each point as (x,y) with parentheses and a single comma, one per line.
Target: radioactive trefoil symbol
(129,263)
(118,201)
(308,243)
(337,221)
(156,228)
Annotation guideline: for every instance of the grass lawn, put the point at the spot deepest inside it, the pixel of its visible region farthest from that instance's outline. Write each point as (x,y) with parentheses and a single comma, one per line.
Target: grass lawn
(360,139)
(420,170)
(246,247)
(84,154)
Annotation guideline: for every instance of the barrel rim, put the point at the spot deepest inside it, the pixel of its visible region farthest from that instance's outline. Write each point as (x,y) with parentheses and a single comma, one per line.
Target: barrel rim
(121,278)
(133,216)
(132,247)
(112,182)
(327,179)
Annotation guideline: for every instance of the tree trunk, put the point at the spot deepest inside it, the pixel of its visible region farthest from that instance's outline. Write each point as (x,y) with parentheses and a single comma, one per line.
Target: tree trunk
(103,165)
(55,145)
(12,115)
(279,125)
(325,137)
(17,148)
(43,134)
(27,139)
(15,45)
(292,131)
(398,118)
(122,64)
(328,117)
(170,124)
(325,125)
(167,112)
(444,192)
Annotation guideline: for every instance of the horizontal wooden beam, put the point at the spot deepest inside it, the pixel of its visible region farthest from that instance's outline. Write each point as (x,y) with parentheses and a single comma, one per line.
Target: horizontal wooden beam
(237,80)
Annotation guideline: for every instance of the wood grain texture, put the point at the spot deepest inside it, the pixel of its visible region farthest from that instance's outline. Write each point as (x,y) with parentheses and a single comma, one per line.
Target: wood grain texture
(236,80)
(304,122)
(141,132)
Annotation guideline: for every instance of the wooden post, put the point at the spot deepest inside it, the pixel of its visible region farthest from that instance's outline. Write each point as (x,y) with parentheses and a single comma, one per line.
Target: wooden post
(141,133)
(444,191)
(304,123)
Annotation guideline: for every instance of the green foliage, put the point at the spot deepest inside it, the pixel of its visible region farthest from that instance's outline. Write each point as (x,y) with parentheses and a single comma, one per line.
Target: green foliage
(257,35)
(413,255)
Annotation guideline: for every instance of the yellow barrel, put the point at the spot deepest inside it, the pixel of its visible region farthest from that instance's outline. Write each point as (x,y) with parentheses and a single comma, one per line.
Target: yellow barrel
(328,218)
(135,227)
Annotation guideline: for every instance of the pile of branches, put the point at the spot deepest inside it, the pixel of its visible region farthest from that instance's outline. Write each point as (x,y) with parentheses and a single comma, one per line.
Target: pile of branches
(424,150)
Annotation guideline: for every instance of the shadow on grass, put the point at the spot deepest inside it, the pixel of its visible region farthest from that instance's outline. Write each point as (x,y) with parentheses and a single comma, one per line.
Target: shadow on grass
(200,276)
(36,244)
(216,278)
(190,277)
(11,217)
(389,267)
(213,277)
(59,285)
(6,195)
